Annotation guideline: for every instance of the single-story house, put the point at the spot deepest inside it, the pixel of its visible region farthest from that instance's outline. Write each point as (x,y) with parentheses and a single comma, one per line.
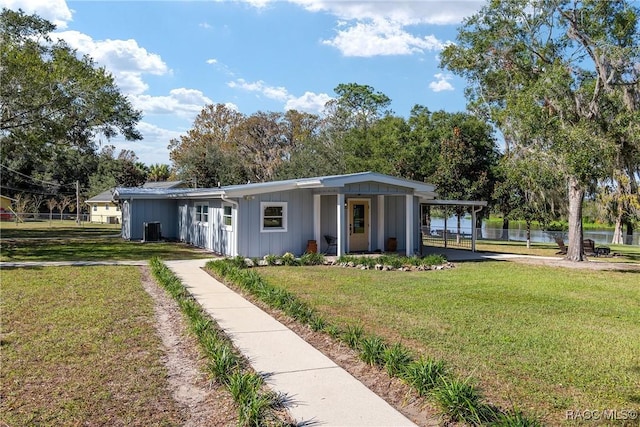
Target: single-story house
(104,210)
(361,212)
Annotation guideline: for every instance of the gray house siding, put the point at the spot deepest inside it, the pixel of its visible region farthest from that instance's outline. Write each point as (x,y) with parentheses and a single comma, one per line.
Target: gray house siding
(374,188)
(328,220)
(395,220)
(253,242)
(147,210)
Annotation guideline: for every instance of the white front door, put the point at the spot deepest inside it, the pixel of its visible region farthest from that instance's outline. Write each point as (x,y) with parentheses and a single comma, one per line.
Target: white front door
(359,227)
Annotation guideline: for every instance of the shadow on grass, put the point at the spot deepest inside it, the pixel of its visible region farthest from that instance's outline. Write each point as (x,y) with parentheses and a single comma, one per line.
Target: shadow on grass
(94,249)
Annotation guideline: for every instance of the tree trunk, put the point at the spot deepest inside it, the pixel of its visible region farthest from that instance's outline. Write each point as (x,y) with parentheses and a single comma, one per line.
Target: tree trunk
(459,228)
(528,234)
(505,228)
(617,233)
(575,252)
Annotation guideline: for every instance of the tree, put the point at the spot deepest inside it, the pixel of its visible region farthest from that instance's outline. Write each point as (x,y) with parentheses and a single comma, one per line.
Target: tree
(49,96)
(529,189)
(52,203)
(65,202)
(349,119)
(466,162)
(159,172)
(569,66)
(207,153)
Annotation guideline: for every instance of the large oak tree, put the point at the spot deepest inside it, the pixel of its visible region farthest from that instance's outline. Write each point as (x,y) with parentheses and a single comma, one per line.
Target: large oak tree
(554,75)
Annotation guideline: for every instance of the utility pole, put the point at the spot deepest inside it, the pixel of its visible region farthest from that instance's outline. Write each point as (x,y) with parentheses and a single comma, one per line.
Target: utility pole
(78,202)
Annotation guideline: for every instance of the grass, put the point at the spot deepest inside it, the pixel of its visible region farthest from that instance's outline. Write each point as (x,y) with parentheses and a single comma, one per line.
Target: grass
(79,347)
(36,241)
(546,339)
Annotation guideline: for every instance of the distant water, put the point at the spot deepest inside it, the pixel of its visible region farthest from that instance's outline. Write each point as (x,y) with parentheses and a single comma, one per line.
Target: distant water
(601,237)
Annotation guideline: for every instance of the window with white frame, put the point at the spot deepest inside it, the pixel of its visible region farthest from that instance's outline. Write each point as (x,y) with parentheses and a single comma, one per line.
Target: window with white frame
(106,206)
(273,216)
(202,213)
(95,208)
(227,212)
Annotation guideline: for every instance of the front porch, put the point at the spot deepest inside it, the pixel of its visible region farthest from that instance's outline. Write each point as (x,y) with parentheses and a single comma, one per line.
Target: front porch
(366,223)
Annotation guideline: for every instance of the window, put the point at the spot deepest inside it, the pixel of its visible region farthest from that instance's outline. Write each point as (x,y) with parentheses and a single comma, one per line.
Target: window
(226,216)
(202,213)
(95,208)
(273,216)
(106,206)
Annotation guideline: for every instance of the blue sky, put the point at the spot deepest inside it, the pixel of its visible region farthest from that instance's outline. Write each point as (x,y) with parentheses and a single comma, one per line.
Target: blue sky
(171,58)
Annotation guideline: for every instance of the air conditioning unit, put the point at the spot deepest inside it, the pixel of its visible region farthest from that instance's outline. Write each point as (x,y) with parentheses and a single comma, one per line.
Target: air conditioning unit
(152,232)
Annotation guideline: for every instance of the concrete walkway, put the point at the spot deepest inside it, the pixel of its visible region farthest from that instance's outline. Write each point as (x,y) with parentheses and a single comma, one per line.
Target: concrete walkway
(319,391)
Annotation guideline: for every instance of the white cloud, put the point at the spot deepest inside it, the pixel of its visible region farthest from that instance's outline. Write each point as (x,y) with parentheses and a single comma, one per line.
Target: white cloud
(153,148)
(278,93)
(212,61)
(309,102)
(441,83)
(381,37)
(405,12)
(55,11)
(182,102)
(125,59)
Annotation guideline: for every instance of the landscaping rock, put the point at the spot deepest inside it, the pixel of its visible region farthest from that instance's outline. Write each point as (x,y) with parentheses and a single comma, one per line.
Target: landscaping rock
(249,262)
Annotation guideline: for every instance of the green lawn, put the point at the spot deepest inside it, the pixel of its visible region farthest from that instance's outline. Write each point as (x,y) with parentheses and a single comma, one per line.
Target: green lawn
(37,241)
(79,347)
(544,339)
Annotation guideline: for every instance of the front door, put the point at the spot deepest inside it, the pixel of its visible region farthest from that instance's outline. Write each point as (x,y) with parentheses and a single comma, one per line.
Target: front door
(358,225)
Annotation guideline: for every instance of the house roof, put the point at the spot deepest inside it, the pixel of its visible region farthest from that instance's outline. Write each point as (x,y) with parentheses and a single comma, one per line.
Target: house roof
(104,197)
(421,189)
(163,184)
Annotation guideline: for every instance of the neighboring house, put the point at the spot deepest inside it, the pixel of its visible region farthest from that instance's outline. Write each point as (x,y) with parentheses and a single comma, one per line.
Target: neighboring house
(6,211)
(364,212)
(164,184)
(103,209)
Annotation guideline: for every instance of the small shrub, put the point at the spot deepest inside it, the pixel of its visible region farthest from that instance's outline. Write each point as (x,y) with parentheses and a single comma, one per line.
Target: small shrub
(423,374)
(433,259)
(515,418)
(271,259)
(343,259)
(372,350)
(460,401)
(317,323)
(244,385)
(396,359)
(393,260)
(352,335)
(333,331)
(367,261)
(299,311)
(238,262)
(223,364)
(312,258)
(289,259)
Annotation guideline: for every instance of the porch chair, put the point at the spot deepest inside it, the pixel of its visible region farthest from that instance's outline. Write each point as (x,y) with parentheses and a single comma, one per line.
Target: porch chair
(332,242)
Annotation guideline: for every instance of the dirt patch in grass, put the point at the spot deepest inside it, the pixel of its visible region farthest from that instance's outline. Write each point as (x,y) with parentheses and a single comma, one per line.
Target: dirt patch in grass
(204,403)
(87,346)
